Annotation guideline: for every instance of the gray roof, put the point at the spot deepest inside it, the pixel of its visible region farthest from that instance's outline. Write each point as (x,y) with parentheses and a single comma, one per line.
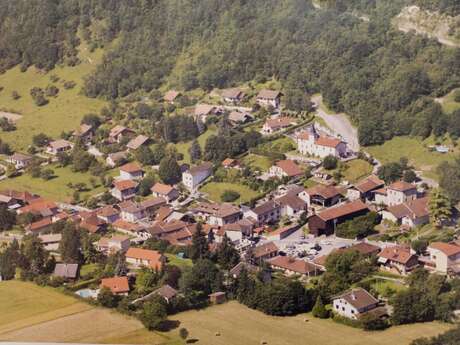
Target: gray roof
(66,270)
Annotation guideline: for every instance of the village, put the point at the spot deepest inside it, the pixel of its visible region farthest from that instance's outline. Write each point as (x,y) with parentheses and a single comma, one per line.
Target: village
(305,215)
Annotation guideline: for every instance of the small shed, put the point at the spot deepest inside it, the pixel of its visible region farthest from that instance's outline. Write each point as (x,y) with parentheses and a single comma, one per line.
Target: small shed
(217,297)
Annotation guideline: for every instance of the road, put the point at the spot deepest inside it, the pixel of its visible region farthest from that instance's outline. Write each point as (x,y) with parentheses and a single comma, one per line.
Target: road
(338,123)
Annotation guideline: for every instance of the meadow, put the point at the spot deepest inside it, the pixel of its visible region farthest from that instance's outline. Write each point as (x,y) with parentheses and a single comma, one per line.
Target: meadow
(214,190)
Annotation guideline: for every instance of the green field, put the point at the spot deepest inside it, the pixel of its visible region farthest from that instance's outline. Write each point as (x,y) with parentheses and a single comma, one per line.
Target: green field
(184,147)
(62,113)
(176,261)
(214,190)
(257,162)
(56,188)
(448,103)
(419,155)
(356,170)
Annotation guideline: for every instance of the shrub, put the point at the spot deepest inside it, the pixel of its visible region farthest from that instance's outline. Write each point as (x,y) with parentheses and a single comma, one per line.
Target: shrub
(457,96)
(229,196)
(330,162)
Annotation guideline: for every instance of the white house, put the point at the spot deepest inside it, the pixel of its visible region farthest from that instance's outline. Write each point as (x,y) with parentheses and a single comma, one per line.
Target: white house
(275,124)
(397,193)
(234,95)
(267,98)
(268,212)
(309,142)
(117,158)
(59,146)
(409,214)
(445,257)
(114,244)
(138,257)
(124,190)
(194,176)
(218,214)
(20,160)
(131,171)
(285,168)
(352,304)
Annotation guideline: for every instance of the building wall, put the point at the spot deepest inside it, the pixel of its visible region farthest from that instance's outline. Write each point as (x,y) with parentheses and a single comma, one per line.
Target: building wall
(345,309)
(395,197)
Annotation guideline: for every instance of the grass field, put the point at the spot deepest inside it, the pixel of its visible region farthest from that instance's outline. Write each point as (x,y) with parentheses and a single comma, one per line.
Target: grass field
(214,190)
(56,188)
(261,163)
(419,155)
(181,263)
(62,113)
(448,103)
(184,147)
(356,170)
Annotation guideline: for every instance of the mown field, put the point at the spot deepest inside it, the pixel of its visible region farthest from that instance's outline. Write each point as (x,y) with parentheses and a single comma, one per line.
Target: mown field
(214,190)
(62,113)
(32,313)
(356,170)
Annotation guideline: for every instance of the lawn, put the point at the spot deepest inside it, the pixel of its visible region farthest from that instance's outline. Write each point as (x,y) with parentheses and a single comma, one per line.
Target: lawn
(56,188)
(258,162)
(62,113)
(420,156)
(448,103)
(237,324)
(184,147)
(356,170)
(88,268)
(176,261)
(281,145)
(214,190)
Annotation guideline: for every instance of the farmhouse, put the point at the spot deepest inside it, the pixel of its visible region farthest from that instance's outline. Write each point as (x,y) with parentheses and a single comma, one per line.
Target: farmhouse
(138,257)
(292,266)
(309,142)
(115,159)
(131,211)
(203,111)
(84,133)
(354,303)
(131,171)
(276,124)
(194,176)
(124,190)
(285,168)
(113,244)
(445,257)
(117,285)
(397,193)
(291,205)
(364,189)
(268,212)
(51,241)
(239,230)
(20,160)
(229,163)
(118,133)
(166,292)
(321,195)
(137,142)
(40,207)
(264,252)
(232,95)
(39,226)
(59,146)
(398,260)
(267,98)
(325,222)
(108,214)
(236,117)
(166,191)
(217,214)
(409,214)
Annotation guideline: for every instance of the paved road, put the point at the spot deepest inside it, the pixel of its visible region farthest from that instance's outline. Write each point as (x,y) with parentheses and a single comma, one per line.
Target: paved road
(339,123)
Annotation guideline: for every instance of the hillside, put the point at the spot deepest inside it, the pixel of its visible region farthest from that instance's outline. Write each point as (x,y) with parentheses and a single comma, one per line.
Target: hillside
(385,78)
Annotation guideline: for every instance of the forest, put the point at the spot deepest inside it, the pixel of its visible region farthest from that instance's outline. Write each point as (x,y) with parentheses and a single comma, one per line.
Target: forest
(386,80)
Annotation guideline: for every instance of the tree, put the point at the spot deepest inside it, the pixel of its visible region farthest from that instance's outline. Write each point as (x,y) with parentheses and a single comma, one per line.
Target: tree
(169,171)
(92,120)
(35,255)
(146,280)
(409,176)
(330,162)
(7,218)
(319,310)
(195,151)
(106,298)
(229,196)
(40,140)
(203,278)
(183,333)
(440,208)
(69,247)
(419,246)
(390,172)
(200,247)
(227,255)
(154,314)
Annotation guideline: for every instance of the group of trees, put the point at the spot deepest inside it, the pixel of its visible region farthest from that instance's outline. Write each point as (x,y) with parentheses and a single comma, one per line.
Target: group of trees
(394,171)
(359,227)
(219,147)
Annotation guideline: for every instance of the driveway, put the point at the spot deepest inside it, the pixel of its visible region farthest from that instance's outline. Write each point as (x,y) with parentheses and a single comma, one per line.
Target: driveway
(338,123)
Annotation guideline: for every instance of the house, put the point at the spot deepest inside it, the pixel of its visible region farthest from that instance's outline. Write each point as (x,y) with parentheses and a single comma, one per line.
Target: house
(217,214)
(233,96)
(167,292)
(132,229)
(363,248)
(217,298)
(282,233)
(321,195)
(131,171)
(39,226)
(285,168)
(273,125)
(445,257)
(116,159)
(292,266)
(108,214)
(266,213)
(397,193)
(267,98)
(113,244)
(85,133)
(20,160)
(51,241)
(398,259)
(203,111)
(21,198)
(194,176)
(171,96)
(229,163)
(68,272)
(264,252)
(137,142)
(238,231)
(309,142)
(117,285)
(124,190)
(236,118)
(291,205)
(150,206)
(59,146)
(118,133)
(39,207)
(131,211)
(138,257)
(325,222)
(354,303)
(409,214)
(364,189)
(92,223)
(236,271)
(166,191)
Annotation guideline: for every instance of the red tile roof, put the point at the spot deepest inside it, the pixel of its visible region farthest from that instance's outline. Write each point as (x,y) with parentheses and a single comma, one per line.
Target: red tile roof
(398,254)
(289,167)
(446,248)
(343,210)
(402,186)
(116,284)
(162,189)
(125,184)
(293,264)
(154,257)
(326,192)
(132,167)
(328,142)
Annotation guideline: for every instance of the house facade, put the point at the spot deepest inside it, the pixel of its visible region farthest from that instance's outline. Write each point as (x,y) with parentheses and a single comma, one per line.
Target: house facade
(267,98)
(445,257)
(310,143)
(194,176)
(354,303)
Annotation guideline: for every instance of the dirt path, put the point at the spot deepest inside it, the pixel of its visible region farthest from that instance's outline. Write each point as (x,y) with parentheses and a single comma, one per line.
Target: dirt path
(338,123)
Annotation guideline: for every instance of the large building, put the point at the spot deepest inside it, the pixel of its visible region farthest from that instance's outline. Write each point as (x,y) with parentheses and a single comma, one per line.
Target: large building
(354,303)
(194,176)
(309,142)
